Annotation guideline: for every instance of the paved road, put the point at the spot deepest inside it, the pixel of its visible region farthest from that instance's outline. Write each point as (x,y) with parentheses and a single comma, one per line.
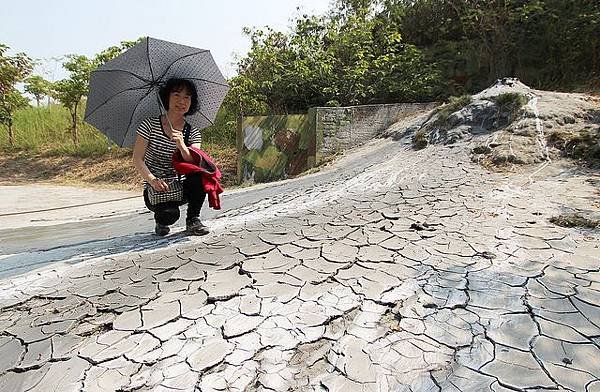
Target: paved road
(396,270)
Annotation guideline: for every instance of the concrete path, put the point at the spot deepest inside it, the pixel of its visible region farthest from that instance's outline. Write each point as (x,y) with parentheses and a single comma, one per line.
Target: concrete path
(395,270)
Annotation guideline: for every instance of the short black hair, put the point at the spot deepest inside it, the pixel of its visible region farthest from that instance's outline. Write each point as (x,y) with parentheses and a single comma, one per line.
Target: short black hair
(176,84)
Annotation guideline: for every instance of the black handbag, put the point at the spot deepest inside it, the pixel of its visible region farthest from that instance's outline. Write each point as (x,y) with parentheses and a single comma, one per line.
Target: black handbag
(175,192)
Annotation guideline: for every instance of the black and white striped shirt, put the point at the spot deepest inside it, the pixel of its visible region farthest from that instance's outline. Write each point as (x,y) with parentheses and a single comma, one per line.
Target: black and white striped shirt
(159,153)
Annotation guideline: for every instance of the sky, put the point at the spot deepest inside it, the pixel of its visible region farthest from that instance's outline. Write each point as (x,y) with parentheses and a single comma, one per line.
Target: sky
(47,30)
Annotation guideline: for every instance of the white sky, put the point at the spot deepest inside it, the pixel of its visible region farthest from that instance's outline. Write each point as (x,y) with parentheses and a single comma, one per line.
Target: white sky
(48,29)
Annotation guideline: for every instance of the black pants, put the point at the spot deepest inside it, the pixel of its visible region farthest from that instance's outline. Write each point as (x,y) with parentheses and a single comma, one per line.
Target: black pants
(193,192)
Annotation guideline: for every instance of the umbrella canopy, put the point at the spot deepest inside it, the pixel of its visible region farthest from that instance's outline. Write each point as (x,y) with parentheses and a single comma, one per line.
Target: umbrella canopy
(124,91)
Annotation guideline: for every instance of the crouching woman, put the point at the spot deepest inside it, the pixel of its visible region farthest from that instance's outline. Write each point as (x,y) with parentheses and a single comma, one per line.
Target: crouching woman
(156,140)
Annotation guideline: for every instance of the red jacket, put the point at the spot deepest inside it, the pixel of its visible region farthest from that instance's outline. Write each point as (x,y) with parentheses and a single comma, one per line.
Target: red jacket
(210,173)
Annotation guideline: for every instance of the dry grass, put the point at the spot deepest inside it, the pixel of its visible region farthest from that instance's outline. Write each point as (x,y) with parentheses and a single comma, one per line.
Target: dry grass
(419,140)
(113,170)
(575,220)
(583,145)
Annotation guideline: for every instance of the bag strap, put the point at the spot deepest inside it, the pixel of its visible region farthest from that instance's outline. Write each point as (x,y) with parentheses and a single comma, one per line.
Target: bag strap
(187,130)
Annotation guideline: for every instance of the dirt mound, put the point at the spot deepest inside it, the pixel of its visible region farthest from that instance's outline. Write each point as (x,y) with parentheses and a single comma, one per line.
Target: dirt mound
(510,123)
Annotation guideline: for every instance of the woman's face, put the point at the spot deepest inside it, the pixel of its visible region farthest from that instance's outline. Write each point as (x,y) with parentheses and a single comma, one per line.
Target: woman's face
(180,101)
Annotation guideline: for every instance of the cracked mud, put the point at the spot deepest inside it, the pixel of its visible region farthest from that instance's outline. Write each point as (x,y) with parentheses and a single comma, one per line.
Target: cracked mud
(422,273)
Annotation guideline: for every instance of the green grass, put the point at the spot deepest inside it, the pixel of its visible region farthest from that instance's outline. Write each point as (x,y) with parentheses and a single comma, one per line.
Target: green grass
(48,129)
(510,103)
(454,104)
(43,136)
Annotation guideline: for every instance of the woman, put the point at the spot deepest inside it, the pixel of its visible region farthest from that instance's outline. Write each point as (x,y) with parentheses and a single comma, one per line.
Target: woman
(156,140)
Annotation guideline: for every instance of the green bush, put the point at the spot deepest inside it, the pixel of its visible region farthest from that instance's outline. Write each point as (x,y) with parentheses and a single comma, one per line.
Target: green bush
(510,103)
(454,104)
(223,132)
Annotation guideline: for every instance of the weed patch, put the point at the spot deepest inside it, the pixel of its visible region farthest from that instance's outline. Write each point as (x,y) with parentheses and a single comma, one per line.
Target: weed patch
(575,220)
(583,145)
(419,140)
(510,103)
(454,104)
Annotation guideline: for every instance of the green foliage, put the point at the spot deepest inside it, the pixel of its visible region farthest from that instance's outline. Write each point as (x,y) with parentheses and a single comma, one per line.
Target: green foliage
(382,51)
(48,129)
(13,69)
(243,99)
(70,91)
(350,56)
(9,104)
(223,131)
(510,103)
(113,51)
(38,87)
(545,43)
(454,104)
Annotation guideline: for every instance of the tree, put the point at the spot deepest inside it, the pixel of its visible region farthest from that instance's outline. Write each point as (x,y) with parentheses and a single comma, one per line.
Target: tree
(11,102)
(545,43)
(38,87)
(350,56)
(13,69)
(113,51)
(70,91)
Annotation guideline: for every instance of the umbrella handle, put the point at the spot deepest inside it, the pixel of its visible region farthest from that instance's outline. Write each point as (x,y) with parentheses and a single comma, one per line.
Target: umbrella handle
(163,110)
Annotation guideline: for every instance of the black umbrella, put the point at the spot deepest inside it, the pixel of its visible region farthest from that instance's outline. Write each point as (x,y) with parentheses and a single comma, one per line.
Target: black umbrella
(124,91)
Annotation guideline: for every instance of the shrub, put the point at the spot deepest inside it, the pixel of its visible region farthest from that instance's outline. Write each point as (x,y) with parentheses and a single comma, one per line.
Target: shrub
(419,139)
(454,104)
(584,145)
(510,103)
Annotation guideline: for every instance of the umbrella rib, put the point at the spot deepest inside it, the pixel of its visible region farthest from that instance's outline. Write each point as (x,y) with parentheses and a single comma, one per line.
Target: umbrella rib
(148,57)
(111,98)
(132,114)
(180,58)
(125,71)
(207,119)
(210,81)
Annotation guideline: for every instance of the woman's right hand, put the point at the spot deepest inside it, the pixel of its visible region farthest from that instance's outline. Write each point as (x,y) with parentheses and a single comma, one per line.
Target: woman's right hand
(159,185)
